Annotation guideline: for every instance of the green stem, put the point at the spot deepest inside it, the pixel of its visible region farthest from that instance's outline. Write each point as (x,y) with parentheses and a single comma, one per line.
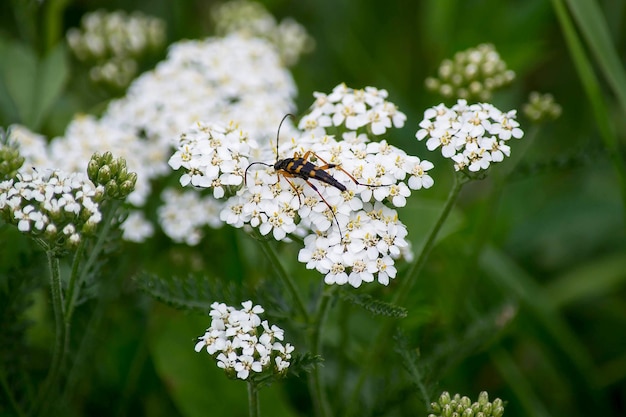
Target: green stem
(52,22)
(316,386)
(403,290)
(71,288)
(254,408)
(405,286)
(270,252)
(80,357)
(60,336)
(76,280)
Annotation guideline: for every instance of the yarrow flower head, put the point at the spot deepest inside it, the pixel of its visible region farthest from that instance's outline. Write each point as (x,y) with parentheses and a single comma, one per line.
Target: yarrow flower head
(473,136)
(354,109)
(244,345)
(541,107)
(54,207)
(184,214)
(227,78)
(251,19)
(463,406)
(473,74)
(213,156)
(350,229)
(113,41)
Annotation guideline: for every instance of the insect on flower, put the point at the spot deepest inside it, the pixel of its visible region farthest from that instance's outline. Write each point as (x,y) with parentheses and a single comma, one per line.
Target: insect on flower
(300,167)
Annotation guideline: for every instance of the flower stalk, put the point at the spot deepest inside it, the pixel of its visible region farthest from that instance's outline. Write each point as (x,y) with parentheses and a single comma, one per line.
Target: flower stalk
(414,270)
(254,409)
(316,385)
(60,335)
(270,252)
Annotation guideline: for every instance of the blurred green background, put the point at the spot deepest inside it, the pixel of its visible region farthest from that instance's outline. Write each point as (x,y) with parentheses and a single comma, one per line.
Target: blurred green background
(524,297)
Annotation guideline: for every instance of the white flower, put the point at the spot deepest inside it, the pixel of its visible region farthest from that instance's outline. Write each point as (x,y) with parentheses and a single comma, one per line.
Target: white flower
(232,340)
(326,199)
(49,202)
(473,136)
(183,215)
(136,228)
(354,109)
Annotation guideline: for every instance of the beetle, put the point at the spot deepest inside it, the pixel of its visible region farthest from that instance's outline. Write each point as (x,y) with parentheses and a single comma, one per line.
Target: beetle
(300,167)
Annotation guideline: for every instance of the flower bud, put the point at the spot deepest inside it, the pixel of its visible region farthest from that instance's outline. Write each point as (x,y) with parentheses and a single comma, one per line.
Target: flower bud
(444,398)
(127,187)
(104,174)
(112,189)
(92,169)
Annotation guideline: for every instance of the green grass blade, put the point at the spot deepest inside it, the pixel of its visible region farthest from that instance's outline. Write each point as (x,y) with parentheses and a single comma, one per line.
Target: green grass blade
(589,280)
(594,29)
(591,86)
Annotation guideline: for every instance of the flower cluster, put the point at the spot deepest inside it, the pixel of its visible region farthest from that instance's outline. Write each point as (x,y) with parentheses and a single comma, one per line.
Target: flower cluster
(214,157)
(350,236)
(242,344)
(112,174)
(113,41)
(184,214)
(473,136)
(232,78)
(353,109)
(55,207)
(351,232)
(473,73)
(541,107)
(251,19)
(32,146)
(463,406)
(10,159)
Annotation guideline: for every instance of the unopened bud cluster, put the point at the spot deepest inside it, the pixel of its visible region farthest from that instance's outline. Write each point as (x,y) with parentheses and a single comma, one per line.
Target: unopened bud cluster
(458,406)
(242,344)
(112,174)
(10,160)
(472,74)
(113,42)
(57,208)
(251,19)
(541,107)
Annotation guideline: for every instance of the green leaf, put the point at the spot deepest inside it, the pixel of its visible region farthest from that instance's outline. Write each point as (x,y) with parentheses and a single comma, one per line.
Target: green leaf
(7,107)
(594,29)
(377,307)
(414,366)
(29,87)
(52,75)
(19,74)
(195,293)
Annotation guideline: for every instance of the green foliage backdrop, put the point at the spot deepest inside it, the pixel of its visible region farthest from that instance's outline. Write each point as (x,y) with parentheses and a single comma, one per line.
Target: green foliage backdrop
(524,295)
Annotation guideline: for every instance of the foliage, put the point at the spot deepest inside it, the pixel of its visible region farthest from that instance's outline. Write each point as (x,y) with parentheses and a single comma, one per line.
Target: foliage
(516,281)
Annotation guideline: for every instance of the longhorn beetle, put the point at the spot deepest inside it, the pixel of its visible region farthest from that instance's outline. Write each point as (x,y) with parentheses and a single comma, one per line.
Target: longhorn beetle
(301,167)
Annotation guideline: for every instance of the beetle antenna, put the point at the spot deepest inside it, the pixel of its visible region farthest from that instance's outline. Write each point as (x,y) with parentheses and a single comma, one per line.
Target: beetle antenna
(245,175)
(278,133)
